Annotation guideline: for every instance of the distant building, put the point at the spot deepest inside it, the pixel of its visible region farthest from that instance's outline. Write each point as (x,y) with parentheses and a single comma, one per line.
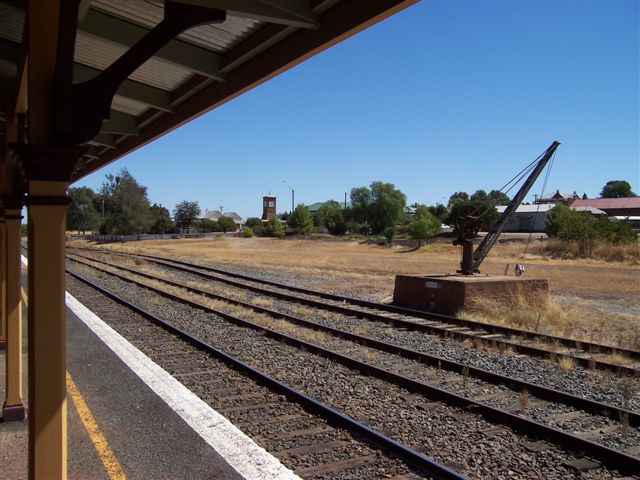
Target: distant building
(624,208)
(314,208)
(527,218)
(557,197)
(533,218)
(215,215)
(268,207)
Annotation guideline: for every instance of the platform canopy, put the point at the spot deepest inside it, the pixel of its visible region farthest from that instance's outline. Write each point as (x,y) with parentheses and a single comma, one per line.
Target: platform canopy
(84,82)
(241,44)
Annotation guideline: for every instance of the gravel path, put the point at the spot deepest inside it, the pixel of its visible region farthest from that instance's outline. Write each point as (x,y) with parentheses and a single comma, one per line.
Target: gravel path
(436,429)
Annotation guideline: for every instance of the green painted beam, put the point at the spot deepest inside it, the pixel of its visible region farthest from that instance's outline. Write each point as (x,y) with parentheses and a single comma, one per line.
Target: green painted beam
(10,50)
(295,13)
(113,29)
(154,97)
(103,140)
(120,124)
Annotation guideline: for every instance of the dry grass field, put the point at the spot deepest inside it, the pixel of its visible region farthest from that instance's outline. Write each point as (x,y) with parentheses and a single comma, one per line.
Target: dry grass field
(595,300)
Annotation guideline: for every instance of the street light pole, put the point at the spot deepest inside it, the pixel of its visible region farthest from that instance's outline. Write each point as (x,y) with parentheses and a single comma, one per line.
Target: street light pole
(293,195)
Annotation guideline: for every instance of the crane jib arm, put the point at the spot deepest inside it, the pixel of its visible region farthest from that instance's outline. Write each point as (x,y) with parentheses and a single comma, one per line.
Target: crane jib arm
(493,234)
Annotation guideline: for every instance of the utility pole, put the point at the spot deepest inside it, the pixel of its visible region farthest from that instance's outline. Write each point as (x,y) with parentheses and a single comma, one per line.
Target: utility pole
(345,200)
(293,194)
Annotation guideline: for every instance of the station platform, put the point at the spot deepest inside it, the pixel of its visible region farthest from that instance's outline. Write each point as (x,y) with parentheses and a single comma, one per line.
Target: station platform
(136,433)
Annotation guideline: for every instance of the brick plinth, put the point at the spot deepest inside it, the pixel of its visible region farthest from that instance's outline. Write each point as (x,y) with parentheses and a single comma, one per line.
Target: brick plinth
(449,293)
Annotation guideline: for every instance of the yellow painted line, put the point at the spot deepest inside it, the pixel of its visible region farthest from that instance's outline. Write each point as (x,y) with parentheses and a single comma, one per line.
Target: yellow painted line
(109,460)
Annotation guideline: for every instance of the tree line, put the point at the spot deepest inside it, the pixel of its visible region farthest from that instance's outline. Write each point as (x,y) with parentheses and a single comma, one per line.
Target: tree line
(121,207)
(379,209)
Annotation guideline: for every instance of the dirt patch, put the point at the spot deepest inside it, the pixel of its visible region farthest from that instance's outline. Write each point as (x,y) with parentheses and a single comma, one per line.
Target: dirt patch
(605,295)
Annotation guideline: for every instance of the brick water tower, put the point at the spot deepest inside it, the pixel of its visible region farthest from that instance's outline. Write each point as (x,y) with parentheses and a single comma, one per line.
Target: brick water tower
(268,207)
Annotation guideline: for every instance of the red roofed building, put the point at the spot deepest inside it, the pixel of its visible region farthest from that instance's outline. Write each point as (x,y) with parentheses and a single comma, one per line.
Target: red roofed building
(614,207)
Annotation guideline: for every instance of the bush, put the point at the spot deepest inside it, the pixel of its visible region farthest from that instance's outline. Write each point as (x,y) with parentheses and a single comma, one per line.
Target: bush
(424,228)
(389,233)
(586,232)
(274,228)
(247,232)
(256,225)
(353,227)
(572,226)
(300,220)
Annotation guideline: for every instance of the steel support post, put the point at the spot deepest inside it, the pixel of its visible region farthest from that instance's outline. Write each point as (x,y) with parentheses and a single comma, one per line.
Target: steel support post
(13,407)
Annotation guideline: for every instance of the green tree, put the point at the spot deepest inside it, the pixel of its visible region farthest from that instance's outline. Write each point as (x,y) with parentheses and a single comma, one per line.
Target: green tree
(160,220)
(274,228)
(484,211)
(439,211)
(381,206)
(457,196)
(185,214)
(617,188)
(226,223)
(331,216)
(424,228)
(360,204)
(499,198)
(479,195)
(247,232)
(300,220)
(82,214)
(127,209)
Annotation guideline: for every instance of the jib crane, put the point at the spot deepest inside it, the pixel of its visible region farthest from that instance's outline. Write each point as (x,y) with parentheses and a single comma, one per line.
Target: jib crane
(468,226)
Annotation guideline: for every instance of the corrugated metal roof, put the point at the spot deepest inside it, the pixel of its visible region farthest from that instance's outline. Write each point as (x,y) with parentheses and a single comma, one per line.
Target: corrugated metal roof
(11,23)
(590,209)
(605,203)
(128,105)
(206,58)
(100,53)
(540,208)
(148,13)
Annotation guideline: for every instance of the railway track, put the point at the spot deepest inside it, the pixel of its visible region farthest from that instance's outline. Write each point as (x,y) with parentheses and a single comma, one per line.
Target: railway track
(313,439)
(472,383)
(462,369)
(587,354)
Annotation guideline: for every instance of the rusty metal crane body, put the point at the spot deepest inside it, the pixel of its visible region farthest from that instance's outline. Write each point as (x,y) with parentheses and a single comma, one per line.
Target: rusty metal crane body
(468,226)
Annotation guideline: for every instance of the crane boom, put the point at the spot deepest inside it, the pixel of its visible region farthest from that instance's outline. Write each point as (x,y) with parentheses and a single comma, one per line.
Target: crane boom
(492,235)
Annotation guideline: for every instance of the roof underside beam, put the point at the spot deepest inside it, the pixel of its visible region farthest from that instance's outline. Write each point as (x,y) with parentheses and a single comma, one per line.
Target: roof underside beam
(103,140)
(179,53)
(295,13)
(338,22)
(120,123)
(140,92)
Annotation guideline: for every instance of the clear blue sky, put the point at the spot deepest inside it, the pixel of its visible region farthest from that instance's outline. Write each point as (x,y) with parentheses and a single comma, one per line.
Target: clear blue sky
(444,96)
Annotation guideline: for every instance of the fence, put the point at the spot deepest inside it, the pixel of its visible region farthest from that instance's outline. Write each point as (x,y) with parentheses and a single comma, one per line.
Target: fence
(147,236)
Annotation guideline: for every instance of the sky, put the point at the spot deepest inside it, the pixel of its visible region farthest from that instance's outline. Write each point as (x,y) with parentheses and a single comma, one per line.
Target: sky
(444,96)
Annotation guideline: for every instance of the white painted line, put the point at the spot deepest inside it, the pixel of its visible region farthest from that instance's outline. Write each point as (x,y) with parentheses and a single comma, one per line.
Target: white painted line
(246,457)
